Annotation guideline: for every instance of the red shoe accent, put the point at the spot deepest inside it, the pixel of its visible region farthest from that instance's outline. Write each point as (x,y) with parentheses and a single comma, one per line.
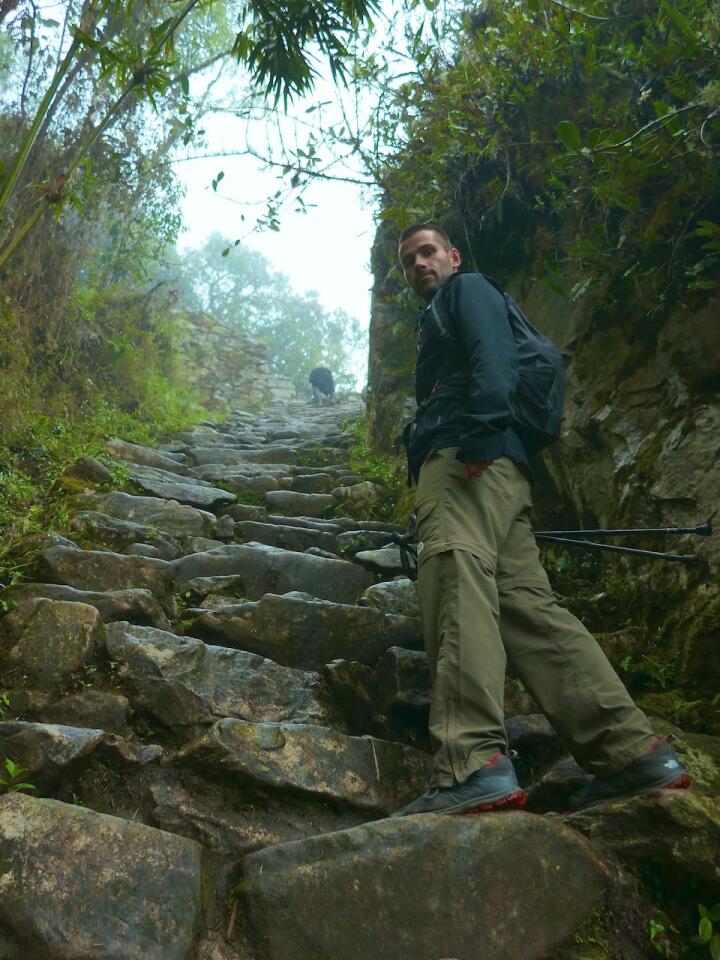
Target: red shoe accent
(493,760)
(682,783)
(514,801)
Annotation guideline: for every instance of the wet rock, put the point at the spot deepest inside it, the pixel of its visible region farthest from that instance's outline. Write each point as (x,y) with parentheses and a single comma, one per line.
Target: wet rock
(353,541)
(361,497)
(50,638)
(137,606)
(386,561)
(393,596)
(98,709)
(352,686)
(301,504)
(233,822)
(552,791)
(78,885)
(175,519)
(182,681)
(313,483)
(279,535)
(672,836)
(373,775)
(416,879)
(266,569)
(274,454)
(307,633)
(146,456)
(101,570)
(402,680)
(89,470)
(203,497)
(246,511)
(46,750)
(100,530)
(142,550)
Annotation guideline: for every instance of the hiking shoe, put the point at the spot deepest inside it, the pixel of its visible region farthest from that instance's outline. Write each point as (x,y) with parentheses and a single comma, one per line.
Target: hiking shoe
(658,769)
(492,787)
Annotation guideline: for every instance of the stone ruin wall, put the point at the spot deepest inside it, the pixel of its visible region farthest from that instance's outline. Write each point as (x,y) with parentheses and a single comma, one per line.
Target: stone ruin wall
(227,367)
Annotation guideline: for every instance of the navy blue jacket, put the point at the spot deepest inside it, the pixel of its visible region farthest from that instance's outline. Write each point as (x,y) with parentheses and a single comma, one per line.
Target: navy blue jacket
(465,382)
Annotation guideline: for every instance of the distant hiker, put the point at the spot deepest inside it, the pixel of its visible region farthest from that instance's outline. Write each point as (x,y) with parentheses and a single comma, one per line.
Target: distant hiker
(323,385)
(483,594)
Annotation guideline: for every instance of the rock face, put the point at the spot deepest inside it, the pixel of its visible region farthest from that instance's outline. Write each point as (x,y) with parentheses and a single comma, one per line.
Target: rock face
(77,885)
(238,710)
(426,886)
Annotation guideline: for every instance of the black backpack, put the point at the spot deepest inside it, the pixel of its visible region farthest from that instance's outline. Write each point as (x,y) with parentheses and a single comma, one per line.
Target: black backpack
(540,393)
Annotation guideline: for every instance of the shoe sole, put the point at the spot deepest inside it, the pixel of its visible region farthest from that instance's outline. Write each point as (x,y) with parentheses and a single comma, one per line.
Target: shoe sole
(681,783)
(509,801)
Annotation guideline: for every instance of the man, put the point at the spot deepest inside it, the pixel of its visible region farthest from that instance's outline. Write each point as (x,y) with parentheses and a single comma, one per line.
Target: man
(323,385)
(483,594)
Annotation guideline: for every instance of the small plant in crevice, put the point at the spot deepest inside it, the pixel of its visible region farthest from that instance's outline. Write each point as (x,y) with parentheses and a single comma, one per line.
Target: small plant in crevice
(709,929)
(12,780)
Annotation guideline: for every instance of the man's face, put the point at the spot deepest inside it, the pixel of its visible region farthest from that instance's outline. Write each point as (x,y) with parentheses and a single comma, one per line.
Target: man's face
(427,262)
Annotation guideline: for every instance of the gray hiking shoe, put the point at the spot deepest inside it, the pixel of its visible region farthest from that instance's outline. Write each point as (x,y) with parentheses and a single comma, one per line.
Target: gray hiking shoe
(658,769)
(492,787)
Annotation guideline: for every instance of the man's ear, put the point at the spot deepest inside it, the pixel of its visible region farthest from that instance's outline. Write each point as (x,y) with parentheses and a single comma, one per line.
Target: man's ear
(455,259)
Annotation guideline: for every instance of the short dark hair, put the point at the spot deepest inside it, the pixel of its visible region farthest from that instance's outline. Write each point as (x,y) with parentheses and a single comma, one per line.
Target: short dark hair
(427,225)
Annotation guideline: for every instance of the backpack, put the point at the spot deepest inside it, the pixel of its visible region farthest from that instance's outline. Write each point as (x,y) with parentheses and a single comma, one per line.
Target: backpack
(538,403)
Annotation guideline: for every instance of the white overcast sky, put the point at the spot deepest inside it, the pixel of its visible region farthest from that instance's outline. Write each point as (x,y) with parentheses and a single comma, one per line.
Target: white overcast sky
(326,249)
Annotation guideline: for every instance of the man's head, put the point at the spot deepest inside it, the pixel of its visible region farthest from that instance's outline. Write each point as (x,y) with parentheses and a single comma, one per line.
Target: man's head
(428,258)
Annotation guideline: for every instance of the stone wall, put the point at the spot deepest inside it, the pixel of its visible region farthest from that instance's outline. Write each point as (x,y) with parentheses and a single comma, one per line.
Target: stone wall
(226,366)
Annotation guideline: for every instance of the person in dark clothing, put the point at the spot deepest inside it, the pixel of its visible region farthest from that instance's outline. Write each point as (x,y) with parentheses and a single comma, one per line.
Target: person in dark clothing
(482,592)
(323,385)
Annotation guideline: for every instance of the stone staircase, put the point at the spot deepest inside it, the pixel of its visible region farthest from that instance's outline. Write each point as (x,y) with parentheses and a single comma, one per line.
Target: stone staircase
(214,682)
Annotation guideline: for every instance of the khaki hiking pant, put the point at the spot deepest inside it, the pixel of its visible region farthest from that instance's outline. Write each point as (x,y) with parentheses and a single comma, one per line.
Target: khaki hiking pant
(484,597)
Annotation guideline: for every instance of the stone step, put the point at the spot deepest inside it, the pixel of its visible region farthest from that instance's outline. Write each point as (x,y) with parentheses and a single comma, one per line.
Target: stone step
(301,504)
(146,456)
(307,633)
(362,772)
(136,606)
(265,569)
(183,682)
(103,570)
(175,519)
(97,529)
(424,887)
(281,535)
(80,885)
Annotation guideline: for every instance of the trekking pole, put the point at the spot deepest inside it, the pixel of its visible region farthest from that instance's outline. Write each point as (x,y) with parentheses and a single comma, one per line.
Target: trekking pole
(592,545)
(570,538)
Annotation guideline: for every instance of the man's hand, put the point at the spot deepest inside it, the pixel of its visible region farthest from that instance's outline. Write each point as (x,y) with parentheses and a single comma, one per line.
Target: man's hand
(473,468)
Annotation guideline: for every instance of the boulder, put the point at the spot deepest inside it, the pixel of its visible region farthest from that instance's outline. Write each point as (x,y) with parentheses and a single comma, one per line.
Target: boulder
(271,453)
(313,483)
(78,885)
(307,633)
(168,516)
(402,680)
(266,569)
(103,570)
(182,681)
(89,471)
(362,772)
(423,887)
(48,639)
(301,504)
(137,606)
(393,596)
